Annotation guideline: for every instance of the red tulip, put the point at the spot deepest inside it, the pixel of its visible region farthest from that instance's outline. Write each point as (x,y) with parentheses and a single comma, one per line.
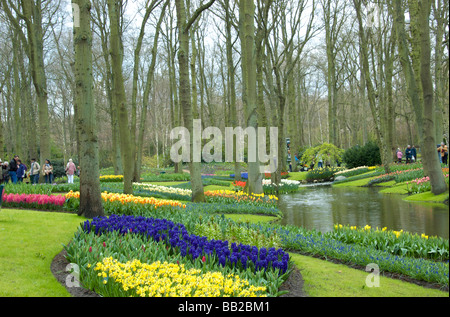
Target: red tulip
(90,249)
(203,259)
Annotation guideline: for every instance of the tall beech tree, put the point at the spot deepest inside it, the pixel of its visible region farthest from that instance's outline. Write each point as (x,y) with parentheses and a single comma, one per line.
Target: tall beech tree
(184,26)
(33,41)
(126,146)
(375,107)
(91,204)
(248,64)
(417,70)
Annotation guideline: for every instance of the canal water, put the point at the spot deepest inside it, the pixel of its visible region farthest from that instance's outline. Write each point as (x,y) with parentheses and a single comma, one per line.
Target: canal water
(321,207)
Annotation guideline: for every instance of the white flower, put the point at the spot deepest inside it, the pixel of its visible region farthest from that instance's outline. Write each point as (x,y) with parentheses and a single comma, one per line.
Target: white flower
(283,182)
(164,189)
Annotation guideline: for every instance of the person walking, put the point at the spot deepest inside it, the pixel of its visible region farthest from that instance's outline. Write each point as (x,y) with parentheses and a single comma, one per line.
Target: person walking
(319,160)
(399,156)
(48,172)
(413,154)
(21,171)
(34,171)
(444,153)
(13,166)
(408,154)
(70,171)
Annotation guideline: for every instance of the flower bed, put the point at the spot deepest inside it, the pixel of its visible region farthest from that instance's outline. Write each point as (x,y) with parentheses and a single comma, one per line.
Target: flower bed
(286,186)
(34,201)
(403,175)
(111,178)
(229,196)
(150,240)
(355,171)
(177,237)
(421,185)
(396,242)
(134,278)
(165,191)
(311,242)
(124,204)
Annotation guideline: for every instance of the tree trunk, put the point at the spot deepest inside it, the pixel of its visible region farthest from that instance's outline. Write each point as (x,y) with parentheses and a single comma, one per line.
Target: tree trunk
(148,88)
(91,204)
(198,194)
(429,159)
(377,117)
(33,19)
(247,36)
(126,145)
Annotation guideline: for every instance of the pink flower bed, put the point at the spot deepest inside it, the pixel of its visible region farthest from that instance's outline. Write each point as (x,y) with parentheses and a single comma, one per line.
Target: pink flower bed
(37,201)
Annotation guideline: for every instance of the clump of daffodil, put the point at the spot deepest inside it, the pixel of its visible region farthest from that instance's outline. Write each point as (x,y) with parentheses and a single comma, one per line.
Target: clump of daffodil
(126,198)
(163,279)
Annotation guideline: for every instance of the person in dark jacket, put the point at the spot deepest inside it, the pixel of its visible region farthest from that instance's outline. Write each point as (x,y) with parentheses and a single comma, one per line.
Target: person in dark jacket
(21,170)
(414,154)
(408,154)
(13,166)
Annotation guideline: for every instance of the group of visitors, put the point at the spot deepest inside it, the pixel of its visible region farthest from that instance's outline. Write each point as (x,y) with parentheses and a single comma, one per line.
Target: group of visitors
(15,171)
(443,153)
(410,154)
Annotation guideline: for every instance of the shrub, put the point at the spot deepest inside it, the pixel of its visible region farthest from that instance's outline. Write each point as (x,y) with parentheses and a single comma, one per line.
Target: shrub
(330,154)
(367,155)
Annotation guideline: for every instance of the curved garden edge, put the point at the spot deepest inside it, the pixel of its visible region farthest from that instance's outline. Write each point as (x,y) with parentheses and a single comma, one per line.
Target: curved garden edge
(397,276)
(293,285)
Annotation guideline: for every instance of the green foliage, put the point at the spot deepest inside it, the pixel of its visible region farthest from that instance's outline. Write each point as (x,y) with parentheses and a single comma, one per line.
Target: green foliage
(150,177)
(367,155)
(330,154)
(231,232)
(322,174)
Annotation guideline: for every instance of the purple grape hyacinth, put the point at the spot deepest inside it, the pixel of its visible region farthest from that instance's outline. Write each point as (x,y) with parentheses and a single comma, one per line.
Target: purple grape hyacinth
(191,245)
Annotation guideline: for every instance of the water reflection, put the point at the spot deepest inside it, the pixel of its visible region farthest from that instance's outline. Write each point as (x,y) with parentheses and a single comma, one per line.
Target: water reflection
(321,207)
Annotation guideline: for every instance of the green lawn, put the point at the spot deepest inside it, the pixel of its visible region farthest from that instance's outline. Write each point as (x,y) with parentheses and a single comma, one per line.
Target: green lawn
(297,176)
(396,189)
(250,218)
(326,279)
(428,197)
(29,241)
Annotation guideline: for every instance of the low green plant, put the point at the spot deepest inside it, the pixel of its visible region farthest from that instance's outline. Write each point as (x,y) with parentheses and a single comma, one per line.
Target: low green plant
(395,242)
(150,177)
(241,233)
(322,174)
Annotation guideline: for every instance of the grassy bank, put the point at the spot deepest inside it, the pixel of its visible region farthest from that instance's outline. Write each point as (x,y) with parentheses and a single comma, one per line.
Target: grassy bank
(30,240)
